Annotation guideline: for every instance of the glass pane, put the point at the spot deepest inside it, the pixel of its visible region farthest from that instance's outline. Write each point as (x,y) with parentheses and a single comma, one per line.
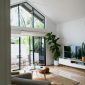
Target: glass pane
(39,16)
(14,53)
(36,49)
(14,16)
(38,24)
(25,58)
(26,6)
(39,52)
(25,18)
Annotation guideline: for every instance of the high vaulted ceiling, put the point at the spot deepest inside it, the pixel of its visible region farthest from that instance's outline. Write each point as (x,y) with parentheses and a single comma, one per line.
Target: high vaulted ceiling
(60,10)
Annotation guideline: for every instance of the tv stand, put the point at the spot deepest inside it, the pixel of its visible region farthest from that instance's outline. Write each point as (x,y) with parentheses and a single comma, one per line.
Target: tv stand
(72,62)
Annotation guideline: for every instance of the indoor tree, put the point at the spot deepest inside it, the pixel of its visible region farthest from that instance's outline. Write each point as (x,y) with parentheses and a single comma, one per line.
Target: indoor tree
(54,45)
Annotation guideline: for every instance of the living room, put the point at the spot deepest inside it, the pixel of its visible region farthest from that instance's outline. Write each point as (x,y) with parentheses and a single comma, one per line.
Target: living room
(69,27)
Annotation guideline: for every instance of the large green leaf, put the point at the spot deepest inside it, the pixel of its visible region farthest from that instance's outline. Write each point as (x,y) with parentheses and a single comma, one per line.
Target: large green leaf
(54,45)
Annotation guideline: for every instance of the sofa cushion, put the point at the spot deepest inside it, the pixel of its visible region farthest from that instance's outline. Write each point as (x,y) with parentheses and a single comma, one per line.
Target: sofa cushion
(22,81)
(15,73)
(25,76)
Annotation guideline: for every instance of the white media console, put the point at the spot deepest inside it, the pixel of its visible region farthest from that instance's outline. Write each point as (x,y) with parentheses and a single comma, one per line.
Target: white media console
(72,62)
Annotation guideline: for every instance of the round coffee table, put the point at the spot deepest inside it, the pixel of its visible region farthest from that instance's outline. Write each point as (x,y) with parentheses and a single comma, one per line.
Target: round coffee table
(38,68)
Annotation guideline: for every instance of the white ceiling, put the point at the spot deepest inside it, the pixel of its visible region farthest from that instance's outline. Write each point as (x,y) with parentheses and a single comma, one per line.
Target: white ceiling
(60,10)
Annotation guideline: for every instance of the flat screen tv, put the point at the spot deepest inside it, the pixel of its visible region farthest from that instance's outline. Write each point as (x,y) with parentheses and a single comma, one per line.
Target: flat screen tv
(67,52)
(75,49)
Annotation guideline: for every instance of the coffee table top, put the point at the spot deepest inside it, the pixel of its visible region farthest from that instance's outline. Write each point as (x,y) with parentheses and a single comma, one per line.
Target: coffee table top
(31,68)
(37,67)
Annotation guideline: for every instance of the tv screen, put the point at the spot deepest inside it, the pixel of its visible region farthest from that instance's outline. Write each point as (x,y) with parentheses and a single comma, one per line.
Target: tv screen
(67,51)
(67,48)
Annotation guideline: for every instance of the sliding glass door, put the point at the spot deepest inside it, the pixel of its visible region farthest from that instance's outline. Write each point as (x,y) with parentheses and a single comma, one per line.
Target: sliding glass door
(27,50)
(39,50)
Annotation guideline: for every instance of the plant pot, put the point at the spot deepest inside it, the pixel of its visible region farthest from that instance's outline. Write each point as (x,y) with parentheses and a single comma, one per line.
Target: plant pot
(56,62)
(83,58)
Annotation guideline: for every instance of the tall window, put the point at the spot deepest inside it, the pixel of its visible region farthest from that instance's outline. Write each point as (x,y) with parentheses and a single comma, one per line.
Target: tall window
(26,50)
(24,15)
(14,16)
(25,18)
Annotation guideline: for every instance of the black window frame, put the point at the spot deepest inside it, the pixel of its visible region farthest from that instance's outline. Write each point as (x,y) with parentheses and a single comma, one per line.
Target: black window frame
(19,44)
(33,11)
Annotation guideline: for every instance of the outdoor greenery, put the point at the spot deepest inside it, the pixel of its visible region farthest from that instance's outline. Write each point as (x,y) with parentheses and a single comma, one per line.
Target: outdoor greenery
(54,46)
(37,45)
(24,18)
(14,40)
(25,41)
(38,23)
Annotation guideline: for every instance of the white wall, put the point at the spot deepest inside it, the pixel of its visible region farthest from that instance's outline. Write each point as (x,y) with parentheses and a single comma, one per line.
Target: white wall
(4,42)
(72,32)
(51,27)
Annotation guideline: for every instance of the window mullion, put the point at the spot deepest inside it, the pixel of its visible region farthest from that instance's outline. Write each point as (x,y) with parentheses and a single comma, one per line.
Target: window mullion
(44,23)
(19,53)
(37,20)
(32,18)
(18,15)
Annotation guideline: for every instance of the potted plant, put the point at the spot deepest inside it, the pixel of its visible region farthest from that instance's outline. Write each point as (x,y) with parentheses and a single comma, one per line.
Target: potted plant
(54,46)
(83,52)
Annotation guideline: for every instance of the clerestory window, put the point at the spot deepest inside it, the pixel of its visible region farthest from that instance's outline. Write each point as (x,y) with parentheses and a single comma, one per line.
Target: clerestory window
(24,15)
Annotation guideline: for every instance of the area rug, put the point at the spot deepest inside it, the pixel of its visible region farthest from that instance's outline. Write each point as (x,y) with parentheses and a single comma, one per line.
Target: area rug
(57,79)
(62,80)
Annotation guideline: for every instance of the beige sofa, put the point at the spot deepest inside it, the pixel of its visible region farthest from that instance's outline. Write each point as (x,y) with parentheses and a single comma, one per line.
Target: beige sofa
(26,79)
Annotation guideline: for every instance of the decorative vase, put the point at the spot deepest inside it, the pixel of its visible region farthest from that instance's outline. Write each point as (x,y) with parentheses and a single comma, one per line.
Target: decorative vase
(83,58)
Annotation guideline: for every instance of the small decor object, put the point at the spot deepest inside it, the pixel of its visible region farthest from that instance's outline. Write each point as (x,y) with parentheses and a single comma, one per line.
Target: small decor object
(54,46)
(46,70)
(83,52)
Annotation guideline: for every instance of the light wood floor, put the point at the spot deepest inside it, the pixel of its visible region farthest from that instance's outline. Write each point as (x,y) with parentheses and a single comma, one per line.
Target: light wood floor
(69,72)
